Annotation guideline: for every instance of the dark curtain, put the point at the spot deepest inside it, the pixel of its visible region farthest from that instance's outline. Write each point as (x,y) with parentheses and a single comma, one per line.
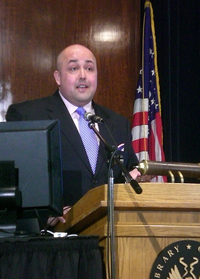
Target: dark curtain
(177,26)
(46,258)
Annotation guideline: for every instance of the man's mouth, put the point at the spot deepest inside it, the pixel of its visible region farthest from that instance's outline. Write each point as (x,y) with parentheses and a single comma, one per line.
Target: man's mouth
(82,86)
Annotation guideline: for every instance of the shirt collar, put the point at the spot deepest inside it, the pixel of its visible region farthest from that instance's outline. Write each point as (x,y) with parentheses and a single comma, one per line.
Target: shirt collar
(72,108)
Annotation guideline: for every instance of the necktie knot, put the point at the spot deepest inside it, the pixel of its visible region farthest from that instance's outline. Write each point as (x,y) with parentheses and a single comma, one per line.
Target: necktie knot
(80,111)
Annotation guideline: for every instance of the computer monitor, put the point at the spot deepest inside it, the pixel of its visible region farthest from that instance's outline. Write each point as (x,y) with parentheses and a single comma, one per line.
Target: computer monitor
(35,149)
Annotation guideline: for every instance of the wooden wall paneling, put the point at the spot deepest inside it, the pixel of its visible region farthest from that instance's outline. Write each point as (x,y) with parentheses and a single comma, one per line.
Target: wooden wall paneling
(32,33)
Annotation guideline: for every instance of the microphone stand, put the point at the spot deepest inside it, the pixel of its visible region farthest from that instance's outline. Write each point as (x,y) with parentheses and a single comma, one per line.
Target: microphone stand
(113,156)
(112,150)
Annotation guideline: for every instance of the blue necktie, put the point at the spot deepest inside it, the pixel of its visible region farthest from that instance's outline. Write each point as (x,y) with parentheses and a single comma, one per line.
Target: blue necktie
(89,139)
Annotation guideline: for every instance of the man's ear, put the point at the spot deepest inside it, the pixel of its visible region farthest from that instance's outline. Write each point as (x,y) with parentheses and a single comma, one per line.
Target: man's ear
(57,77)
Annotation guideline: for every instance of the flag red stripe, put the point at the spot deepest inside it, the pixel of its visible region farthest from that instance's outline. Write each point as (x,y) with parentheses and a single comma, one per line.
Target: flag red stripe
(140,118)
(140,145)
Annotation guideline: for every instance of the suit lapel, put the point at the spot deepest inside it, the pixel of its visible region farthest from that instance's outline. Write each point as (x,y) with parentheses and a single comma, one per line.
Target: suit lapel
(57,110)
(103,154)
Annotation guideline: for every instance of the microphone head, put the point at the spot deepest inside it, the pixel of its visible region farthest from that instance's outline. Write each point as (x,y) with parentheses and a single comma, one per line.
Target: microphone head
(88,116)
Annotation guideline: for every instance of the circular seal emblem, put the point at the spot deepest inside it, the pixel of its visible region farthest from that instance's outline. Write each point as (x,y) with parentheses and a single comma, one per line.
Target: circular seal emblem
(179,260)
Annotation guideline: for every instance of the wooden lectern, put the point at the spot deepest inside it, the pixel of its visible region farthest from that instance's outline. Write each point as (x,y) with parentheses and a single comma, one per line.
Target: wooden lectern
(144,224)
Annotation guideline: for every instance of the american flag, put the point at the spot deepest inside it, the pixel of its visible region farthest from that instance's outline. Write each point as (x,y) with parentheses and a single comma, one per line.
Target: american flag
(147,123)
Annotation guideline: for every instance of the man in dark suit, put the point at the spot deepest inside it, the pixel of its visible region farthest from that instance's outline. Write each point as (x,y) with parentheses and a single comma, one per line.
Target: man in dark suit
(76,76)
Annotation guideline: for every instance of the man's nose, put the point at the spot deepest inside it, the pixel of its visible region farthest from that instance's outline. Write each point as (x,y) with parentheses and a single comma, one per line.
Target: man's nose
(82,73)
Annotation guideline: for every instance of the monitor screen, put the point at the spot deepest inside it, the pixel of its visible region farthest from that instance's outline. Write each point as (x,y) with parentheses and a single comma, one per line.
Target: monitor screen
(35,149)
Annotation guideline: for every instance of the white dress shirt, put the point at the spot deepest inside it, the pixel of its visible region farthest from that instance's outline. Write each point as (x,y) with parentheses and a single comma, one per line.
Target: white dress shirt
(74,115)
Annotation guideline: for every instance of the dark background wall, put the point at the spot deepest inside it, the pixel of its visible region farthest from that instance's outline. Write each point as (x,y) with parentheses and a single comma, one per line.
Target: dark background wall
(178,43)
(32,33)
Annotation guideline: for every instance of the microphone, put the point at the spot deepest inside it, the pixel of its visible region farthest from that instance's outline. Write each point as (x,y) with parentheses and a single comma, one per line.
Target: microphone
(88,116)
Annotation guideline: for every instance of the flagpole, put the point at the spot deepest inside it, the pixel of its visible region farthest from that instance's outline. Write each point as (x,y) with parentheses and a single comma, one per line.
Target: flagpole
(147,134)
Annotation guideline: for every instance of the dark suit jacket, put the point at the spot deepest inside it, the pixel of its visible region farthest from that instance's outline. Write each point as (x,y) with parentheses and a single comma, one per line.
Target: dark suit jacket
(77,174)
